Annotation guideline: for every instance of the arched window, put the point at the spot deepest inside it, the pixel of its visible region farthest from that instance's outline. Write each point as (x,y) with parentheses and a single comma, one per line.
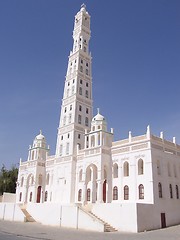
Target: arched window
(141,191)
(88,194)
(170,191)
(80,175)
(86,71)
(87,94)
(86,121)
(46,196)
(126,192)
(177,192)
(140,167)
(79,195)
(115,170)
(80,91)
(115,193)
(20,196)
(81,68)
(22,181)
(79,119)
(30,197)
(47,179)
(70,117)
(84,49)
(158,168)
(126,169)
(160,190)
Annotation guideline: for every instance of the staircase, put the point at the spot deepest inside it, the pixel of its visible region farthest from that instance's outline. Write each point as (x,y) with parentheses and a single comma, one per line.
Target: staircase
(107,226)
(29,218)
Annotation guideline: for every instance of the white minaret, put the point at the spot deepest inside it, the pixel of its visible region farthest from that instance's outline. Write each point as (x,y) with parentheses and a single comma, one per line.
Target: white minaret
(76,109)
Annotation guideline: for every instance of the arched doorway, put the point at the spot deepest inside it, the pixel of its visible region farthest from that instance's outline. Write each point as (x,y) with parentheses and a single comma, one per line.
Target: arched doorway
(91,183)
(104,191)
(38,194)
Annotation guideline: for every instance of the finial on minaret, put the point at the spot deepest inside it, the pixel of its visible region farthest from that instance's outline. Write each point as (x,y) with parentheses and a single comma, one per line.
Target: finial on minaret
(148,132)
(98,110)
(130,136)
(40,132)
(174,140)
(161,135)
(83,6)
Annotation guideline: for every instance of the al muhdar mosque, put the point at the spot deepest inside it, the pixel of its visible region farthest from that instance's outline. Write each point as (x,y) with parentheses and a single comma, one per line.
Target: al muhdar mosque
(93,182)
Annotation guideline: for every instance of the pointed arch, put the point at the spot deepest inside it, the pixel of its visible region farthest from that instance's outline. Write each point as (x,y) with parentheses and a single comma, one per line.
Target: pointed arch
(46,196)
(79,195)
(126,169)
(177,192)
(115,193)
(115,170)
(140,167)
(160,190)
(170,191)
(30,197)
(88,194)
(126,192)
(141,191)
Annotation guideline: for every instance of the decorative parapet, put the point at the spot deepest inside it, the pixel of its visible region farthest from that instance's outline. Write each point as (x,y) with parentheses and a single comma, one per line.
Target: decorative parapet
(131,144)
(164,145)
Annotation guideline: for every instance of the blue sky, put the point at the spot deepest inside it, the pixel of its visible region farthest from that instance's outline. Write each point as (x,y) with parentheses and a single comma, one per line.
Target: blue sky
(136,67)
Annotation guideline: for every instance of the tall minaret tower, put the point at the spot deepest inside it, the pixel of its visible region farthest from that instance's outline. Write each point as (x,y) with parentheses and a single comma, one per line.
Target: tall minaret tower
(76,109)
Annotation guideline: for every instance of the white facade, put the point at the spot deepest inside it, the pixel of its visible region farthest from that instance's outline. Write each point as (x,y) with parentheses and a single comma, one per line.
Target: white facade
(133,184)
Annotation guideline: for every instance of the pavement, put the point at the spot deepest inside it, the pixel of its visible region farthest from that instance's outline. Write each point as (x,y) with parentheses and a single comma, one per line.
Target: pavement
(31,231)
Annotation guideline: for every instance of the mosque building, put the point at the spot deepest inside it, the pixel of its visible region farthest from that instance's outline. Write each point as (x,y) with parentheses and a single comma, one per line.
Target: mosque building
(131,184)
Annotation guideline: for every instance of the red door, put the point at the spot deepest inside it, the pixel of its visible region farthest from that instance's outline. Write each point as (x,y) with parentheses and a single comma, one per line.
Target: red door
(163,220)
(38,194)
(104,191)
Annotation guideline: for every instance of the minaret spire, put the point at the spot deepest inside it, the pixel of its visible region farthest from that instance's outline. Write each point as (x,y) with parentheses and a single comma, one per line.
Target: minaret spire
(83,6)
(76,109)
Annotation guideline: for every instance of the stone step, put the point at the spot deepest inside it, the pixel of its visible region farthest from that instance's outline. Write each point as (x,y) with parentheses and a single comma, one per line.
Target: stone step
(107,226)
(29,218)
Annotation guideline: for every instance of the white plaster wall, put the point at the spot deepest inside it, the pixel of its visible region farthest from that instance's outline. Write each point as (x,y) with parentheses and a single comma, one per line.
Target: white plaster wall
(88,223)
(121,216)
(11,212)
(63,216)
(9,197)
(134,180)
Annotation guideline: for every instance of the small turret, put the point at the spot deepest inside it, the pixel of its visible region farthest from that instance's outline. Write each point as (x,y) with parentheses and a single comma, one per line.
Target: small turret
(39,150)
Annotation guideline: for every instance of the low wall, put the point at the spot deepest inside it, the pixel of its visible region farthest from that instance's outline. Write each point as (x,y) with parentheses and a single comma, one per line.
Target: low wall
(11,212)
(9,197)
(149,216)
(63,216)
(121,216)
